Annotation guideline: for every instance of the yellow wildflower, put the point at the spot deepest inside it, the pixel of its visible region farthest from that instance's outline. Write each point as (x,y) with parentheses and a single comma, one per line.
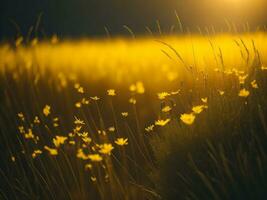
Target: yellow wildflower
(125,114)
(121,141)
(86,139)
(78,121)
(198,109)
(106,148)
(111,92)
(111,129)
(243,93)
(163,95)
(150,128)
(93,178)
(188,118)
(132,88)
(59,140)
(95,98)
(80,154)
(21,129)
(13,158)
(254,84)
(55,124)
(72,142)
(29,135)
(88,166)
(95,157)
(52,151)
(78,105)
(132,100)
(204,100)
(36,120)
(166,109)
(175,92)
(242,79)
(21,116)
(46,110)
(80,90)
(36,153)
(140,87)
(161,122)
(221,92)
(85,101)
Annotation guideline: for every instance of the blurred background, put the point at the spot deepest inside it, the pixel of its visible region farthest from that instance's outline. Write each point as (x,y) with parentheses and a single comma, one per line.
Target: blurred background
(82,18)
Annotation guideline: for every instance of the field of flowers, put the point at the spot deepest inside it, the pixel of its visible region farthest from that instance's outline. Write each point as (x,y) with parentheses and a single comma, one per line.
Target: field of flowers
(175,117)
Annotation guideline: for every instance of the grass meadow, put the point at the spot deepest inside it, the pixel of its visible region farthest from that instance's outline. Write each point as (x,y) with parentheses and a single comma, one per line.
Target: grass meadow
(170,117)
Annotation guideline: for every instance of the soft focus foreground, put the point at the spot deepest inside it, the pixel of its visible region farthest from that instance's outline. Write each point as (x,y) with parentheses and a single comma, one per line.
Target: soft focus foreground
(151,118)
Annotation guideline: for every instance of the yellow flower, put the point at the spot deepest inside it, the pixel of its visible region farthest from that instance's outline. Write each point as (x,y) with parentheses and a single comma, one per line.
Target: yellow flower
(111,129)
(93,178)
(80,90)
(163,95)
(121,141)
(95,157)
(88,166)
(72,142)
(36,120)
(85,101)
(13,158)
(188,118)
(243,93)
(78,105)
(86,139)
(140,87)
(161,122)
(124,114)
(21,129)
(77,129)
(166,109)
(76,86)
(150,128)
(59,140)
(198,109)
(80,154)
(55,124)
(46,110)
(132,88)
(52,151)
(132,100)
(29,135)
(106,148)
(242,79)
(221,92)
(78,121)
(95,98)
(175,92)
(111,92)
(204,100)
(21,116)
(254,84)
(36,153)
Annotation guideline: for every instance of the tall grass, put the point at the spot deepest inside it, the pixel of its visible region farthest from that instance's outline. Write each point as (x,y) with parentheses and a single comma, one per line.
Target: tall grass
(64,102)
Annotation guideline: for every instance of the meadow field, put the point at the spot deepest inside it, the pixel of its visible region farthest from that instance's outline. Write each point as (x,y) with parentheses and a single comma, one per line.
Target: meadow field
(170,117)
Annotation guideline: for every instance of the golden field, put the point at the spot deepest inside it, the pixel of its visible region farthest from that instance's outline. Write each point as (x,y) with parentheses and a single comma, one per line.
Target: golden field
(173,117)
